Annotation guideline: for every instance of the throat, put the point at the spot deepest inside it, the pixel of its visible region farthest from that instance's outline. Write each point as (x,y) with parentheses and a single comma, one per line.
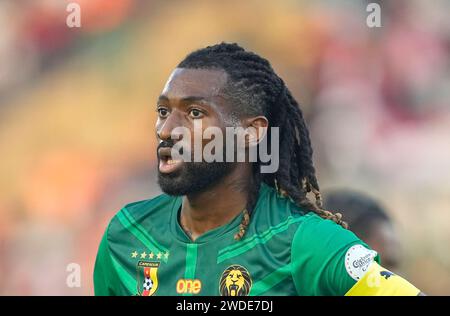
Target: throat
(198,218)
(217,206)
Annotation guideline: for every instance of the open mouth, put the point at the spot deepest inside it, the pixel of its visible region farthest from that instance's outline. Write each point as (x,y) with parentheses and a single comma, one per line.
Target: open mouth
(234,288)
(166,163)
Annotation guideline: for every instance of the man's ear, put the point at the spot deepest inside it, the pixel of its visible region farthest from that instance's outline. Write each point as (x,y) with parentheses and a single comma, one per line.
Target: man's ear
(256,129)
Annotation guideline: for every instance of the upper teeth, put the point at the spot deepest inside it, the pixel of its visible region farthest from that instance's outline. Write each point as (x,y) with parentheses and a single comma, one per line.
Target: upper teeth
(171,161)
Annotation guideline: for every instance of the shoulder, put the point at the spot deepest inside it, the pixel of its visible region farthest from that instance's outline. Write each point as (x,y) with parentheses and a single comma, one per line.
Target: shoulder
(146,213)
(154,207)
(273,211)
(309,228)
(316,234)
(276,217)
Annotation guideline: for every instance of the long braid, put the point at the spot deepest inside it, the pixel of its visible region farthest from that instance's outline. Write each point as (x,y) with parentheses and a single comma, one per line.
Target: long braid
(253,191)
(255,89)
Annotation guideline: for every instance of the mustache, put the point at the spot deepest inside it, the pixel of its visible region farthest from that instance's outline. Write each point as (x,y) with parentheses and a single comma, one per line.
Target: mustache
(166,143)
(169,144)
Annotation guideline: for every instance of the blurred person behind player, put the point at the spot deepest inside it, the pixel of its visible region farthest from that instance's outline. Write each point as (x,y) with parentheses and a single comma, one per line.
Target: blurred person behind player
(368,219)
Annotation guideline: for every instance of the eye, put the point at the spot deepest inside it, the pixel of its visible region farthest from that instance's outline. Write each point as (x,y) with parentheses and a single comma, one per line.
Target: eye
(196,113)
(162,112)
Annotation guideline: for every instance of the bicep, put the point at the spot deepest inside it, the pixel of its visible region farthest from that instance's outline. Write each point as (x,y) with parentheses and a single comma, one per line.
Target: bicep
(328,259)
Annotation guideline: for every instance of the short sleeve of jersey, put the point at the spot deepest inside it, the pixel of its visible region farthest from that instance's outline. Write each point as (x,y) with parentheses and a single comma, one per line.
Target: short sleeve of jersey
(326,258)
(104,272)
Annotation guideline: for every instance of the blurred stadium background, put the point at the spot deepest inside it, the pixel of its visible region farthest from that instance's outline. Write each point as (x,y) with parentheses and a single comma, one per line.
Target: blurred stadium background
(77,116)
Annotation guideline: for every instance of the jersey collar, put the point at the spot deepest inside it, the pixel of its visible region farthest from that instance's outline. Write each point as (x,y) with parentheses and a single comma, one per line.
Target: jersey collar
(226,230)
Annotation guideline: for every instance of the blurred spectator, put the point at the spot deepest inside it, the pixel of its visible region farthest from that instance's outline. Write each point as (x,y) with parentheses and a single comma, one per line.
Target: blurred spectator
(369,221)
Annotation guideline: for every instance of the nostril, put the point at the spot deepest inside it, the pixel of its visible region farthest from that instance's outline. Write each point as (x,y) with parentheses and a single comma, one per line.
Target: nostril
(163,135)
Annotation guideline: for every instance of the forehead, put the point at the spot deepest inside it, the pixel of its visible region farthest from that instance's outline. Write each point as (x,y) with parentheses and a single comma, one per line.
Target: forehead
(195,82)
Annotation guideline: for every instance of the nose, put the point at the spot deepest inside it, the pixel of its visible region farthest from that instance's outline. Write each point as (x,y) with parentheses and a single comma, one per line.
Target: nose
(165,127)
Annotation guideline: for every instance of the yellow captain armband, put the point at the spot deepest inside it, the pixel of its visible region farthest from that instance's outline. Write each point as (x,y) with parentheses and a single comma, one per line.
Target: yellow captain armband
(378,281)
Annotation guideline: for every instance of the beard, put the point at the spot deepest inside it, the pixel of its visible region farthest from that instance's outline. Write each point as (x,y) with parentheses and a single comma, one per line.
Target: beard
(194,177)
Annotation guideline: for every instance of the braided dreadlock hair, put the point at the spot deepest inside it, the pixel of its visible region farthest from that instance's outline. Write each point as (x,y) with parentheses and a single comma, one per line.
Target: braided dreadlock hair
(254,88)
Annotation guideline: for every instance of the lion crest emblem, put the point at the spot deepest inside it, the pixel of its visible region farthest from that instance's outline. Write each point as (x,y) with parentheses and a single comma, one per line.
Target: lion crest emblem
(235,281)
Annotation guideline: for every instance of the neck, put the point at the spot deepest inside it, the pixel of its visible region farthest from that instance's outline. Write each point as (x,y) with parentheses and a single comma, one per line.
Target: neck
(216,206)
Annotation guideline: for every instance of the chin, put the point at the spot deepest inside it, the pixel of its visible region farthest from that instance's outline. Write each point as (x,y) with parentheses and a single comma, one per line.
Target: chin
(193,178)
(172,184)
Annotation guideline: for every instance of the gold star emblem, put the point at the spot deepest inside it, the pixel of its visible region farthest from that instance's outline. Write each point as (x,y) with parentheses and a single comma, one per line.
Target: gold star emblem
(158,256)
(151,255)
(134,254)
(143,255)
(166,255)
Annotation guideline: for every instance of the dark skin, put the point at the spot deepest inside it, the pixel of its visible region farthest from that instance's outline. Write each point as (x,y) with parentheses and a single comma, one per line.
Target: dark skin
(195,94)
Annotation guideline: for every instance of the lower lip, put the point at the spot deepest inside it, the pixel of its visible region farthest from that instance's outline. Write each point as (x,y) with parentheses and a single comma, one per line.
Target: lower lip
(166,167)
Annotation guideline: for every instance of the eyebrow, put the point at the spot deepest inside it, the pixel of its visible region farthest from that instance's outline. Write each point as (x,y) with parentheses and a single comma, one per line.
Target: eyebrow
(188,99)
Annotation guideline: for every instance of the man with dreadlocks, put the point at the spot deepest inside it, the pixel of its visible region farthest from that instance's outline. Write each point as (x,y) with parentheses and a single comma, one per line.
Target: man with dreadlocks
(226,228)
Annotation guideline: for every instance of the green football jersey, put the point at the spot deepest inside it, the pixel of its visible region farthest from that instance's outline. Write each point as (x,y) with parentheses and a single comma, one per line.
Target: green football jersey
(285,251)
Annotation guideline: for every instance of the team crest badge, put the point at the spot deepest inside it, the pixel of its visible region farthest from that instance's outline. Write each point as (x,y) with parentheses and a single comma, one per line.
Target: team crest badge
(235,281)
(147,277)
